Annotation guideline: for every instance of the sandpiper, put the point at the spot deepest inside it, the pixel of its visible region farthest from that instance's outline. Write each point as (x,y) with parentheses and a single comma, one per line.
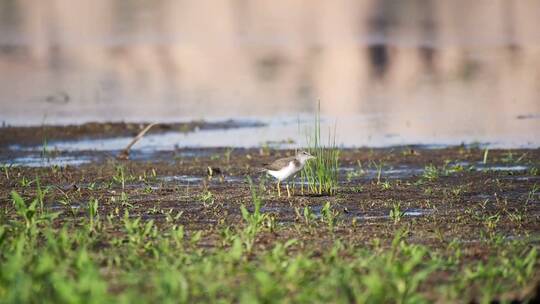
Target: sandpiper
(284,168)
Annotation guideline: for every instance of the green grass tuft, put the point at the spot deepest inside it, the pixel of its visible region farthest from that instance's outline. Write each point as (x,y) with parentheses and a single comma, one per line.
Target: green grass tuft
(321,174)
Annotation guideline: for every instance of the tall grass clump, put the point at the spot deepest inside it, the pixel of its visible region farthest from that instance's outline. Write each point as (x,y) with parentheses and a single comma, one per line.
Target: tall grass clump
(321,173)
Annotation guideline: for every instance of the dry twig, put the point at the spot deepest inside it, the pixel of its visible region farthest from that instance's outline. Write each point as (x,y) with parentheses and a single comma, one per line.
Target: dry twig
(124,154)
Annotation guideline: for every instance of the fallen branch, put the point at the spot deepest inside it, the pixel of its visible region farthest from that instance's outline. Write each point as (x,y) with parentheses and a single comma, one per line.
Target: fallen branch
(124,154)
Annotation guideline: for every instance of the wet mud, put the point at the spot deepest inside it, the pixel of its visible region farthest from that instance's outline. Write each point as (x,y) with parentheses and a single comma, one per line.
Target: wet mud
(443,194)
(462,195)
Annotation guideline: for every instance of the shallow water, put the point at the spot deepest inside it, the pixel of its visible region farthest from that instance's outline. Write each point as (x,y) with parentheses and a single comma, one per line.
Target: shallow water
(279,133)
(190,179)
(39,161)
(408,213)
(402,171)
(386,73)
(481,166)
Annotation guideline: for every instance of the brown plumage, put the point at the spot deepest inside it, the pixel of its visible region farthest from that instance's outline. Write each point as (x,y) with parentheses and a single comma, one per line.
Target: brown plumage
(281,163)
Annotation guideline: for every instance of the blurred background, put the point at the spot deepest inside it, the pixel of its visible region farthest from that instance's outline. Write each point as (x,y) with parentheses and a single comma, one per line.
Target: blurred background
(386,72)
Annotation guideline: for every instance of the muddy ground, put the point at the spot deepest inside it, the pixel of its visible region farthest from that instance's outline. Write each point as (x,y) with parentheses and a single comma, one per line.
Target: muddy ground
(458,194)
(448,205)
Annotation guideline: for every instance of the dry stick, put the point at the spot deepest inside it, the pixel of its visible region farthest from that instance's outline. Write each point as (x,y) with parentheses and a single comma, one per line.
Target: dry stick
(124,154)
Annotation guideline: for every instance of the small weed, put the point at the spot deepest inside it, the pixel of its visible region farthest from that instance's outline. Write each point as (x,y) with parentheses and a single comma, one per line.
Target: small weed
(329,215)
(227,154)
(308,215)
(25,182)
(93,215)
(148,189)
(396,214)
(379,167)
(491,221)
(516,216)
(532,193)
(508,157)
(386,185)
(30,213)
(253,220)
(5,169)
(431,172)
(207,198)
(40,194)
(120,177)
(358,189)
(359,171)
(27,211)
(45,149)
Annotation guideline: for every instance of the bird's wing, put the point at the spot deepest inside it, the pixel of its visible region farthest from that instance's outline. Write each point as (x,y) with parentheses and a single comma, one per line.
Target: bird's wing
(279,163)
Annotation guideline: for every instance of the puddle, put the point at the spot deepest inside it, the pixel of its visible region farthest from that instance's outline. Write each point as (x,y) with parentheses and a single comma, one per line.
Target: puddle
(274,209)
(504,168)
(33,158)
(522,178)
(480,166)
(57,206)
(413,212)
(352,173)
(181,178)
(417,212)
(505,238)
(38,161)
(191,179)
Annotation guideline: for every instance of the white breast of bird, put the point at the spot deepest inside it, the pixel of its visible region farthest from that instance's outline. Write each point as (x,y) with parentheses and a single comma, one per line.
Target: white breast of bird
(284,173)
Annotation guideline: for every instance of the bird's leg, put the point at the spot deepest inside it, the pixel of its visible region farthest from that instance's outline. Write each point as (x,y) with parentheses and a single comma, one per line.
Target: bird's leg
(288,191)
(279,188)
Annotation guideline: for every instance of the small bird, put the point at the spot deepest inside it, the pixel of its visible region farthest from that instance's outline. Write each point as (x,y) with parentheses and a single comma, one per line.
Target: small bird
(284,168)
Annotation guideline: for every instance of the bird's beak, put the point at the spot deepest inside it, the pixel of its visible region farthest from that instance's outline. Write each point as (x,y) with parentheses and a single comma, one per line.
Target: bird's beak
(311,157)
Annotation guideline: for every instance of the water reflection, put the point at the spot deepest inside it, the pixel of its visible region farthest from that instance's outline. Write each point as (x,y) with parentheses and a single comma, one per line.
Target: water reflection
(435,69)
